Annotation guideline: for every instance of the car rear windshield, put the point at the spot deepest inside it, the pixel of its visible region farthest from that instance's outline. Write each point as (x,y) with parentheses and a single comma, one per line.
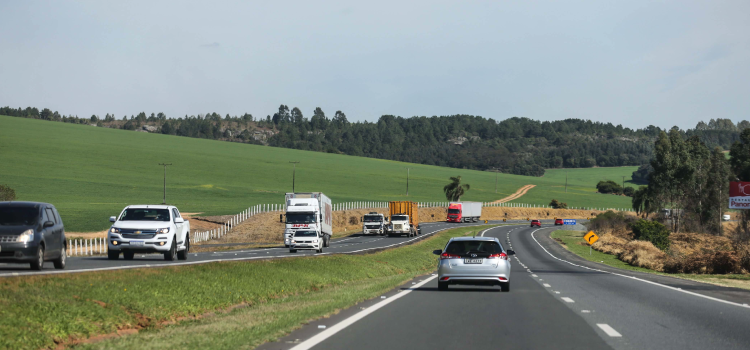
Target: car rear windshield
(373,218)
(305,234)
(534,220)
(140,214)
(466,247)
(399,218)
(18,216)
(454,211)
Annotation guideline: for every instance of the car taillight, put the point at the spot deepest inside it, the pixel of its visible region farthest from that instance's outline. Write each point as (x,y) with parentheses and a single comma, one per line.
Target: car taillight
(449,256)
(501,256)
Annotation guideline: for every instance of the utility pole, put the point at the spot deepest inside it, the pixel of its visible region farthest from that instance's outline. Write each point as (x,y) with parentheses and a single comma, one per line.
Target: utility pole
(294,173)
(165,181)
(407,182)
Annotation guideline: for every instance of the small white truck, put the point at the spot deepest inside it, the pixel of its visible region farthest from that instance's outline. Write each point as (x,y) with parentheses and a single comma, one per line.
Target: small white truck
(373,223)
(149,229)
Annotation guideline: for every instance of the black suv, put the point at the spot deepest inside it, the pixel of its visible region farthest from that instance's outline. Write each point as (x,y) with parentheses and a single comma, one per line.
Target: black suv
(33,233)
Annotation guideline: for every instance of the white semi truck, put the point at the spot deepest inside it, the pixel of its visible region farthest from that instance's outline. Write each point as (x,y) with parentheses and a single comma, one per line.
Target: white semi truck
(309,211)
(373,223)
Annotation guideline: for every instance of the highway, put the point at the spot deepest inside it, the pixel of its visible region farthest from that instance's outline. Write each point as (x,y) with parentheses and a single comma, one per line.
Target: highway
(356,243)
(557,301)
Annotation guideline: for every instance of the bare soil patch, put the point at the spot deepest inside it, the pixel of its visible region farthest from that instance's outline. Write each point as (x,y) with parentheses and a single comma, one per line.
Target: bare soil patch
(520,192)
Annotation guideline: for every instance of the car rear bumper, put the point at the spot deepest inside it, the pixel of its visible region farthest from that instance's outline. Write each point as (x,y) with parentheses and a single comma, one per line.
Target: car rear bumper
(473,280)
(17,252)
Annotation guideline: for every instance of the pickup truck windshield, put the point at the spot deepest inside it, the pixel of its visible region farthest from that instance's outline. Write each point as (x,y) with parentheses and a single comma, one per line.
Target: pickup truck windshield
(399,218)
(18,216)
(140,214)
(373,219)
(300,218)
(305,234)
(454,211)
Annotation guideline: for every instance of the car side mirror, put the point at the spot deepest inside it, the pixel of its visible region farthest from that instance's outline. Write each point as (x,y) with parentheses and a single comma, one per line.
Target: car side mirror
(179,220)
(437,252)
(112,218)
(511,252)
(49,224)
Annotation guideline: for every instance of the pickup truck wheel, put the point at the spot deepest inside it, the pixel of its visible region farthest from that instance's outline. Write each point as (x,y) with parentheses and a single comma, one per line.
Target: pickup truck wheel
(128,255)
(292,250)
(320,250)
(183,254)
(60,262)
(171,255)
(38,263)
(113,255)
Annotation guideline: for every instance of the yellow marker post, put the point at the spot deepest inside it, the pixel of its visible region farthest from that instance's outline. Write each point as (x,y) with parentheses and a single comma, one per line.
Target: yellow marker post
(503,220)
(591,238)
(485,221)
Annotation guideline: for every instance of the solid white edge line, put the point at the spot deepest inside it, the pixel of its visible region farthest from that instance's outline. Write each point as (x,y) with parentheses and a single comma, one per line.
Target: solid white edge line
(609,330)
(639,279)
(320,337)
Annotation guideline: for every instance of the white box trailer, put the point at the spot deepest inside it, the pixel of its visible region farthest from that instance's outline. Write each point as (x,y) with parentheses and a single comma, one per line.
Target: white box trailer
(308,211)
(464,211)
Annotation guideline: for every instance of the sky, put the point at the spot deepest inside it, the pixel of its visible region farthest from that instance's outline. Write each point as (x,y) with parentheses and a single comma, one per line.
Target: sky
(635,63)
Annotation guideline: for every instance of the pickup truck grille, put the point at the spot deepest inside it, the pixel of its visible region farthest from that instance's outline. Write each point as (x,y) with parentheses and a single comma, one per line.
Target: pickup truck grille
(139,236)
(8,239)
(132,230)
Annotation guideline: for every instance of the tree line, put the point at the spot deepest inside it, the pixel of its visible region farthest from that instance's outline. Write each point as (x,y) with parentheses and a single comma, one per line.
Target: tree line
(516,145)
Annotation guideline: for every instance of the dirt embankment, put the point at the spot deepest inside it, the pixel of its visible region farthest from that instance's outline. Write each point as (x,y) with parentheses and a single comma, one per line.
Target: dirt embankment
(499,213)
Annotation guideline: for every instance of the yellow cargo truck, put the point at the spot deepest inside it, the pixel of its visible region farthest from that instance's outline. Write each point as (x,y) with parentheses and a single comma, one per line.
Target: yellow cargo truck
(404,219)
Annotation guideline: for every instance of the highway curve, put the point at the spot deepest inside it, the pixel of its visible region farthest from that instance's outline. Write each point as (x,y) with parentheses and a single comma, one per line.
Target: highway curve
(557,301)
(352,244)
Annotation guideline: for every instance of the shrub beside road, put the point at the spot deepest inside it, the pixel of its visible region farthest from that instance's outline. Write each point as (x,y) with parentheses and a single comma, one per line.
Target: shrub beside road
(275,296)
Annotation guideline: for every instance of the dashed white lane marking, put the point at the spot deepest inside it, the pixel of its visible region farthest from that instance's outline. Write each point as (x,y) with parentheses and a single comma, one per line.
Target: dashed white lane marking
(609,330)
(315,340)
(586,311)
(639,279)
(534,275)
(547,285)
(567,300)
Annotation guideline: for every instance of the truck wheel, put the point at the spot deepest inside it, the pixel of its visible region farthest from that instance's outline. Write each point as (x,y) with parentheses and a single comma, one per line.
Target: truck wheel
(171,255)
(328,242)
(38,263)
(183,254)
(113,255)
(128,255)
(60,262)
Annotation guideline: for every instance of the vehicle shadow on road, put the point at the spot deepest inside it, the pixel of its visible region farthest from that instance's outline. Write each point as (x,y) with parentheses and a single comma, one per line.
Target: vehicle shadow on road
(455,289)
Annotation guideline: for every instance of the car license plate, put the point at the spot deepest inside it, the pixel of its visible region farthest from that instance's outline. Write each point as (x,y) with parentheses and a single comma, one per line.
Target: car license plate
(473,261)
(140,243)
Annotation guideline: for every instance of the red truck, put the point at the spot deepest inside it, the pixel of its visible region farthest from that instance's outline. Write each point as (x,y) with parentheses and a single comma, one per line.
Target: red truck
(464,211)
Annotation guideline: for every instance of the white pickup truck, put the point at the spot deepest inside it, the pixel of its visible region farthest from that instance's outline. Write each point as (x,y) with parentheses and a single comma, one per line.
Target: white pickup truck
(149,229)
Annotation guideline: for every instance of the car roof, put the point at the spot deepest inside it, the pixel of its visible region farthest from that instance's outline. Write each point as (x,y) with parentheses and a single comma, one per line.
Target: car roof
(150,206)
(23,204)
(475,238)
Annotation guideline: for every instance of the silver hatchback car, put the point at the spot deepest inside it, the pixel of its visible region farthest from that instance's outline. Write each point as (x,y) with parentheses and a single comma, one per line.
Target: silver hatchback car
(474,261)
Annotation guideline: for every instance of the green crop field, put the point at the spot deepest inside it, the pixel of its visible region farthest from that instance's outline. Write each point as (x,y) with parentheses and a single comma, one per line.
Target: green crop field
(91,173)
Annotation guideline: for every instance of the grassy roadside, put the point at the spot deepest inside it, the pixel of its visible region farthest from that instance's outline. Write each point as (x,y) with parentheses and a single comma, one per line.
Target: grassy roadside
(573,241)
(277,295)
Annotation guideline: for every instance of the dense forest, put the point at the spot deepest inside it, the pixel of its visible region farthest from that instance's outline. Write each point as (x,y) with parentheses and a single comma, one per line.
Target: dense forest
(516,145)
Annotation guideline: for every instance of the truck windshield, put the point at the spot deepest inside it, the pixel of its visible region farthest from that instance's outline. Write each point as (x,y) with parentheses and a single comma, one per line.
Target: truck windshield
(305,234)
(373,219)
(454,211)
(18,216)
(399,218)
(143,214)
(300,218)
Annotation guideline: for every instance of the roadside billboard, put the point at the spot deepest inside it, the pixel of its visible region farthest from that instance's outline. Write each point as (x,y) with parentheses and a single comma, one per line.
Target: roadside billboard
(739,195)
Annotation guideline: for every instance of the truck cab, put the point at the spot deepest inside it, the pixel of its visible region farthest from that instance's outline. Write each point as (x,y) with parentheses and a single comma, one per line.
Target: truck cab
(149,229)
(400,225)
(373,223)
(454,213)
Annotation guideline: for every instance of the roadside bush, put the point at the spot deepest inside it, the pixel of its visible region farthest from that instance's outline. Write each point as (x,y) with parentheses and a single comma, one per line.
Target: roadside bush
(609,186)
(7,193)
(651,231)
(612,222)
(628,191)
(353,220)
(555,204)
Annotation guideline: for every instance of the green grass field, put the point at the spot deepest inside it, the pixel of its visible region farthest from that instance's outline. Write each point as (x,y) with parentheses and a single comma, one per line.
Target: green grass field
(91,173)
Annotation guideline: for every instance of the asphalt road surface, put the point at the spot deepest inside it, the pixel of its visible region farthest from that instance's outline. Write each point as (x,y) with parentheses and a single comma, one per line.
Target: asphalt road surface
(352,244)
(557,301)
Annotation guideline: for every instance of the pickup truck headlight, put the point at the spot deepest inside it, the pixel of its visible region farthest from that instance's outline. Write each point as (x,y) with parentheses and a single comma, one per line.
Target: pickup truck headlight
(114,230)
(163,230)
(293,241)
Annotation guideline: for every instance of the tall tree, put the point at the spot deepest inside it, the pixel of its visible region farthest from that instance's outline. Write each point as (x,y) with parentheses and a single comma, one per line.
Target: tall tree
(671,172)
(454,190)
(740,163)
(717,192)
